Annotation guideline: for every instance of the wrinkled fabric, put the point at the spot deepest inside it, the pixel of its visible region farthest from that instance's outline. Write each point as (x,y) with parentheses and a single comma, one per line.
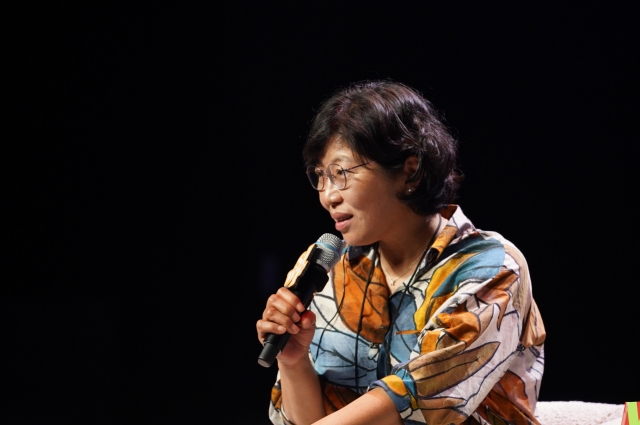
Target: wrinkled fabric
(462,341)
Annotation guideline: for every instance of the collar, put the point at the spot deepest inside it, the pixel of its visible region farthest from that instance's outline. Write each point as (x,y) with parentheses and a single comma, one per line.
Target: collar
(458,224)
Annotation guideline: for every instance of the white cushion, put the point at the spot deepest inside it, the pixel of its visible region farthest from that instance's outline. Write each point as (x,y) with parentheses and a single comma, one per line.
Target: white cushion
(578,413)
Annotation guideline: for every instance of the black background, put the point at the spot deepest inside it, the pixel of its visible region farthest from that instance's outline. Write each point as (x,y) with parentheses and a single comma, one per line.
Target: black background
(156,193)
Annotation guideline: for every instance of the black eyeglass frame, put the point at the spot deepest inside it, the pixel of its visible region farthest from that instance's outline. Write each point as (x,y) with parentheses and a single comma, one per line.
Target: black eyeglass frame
(323,174)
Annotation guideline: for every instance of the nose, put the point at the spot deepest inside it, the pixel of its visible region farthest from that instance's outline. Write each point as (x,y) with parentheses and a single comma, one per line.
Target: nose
(331,195)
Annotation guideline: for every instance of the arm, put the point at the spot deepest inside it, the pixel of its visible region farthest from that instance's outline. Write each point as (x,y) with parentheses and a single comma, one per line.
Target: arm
(303,402)
(299,382)
(301,394)
(372,407)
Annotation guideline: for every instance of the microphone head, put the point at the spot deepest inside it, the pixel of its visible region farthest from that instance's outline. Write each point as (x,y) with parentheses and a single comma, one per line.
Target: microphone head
(330,248)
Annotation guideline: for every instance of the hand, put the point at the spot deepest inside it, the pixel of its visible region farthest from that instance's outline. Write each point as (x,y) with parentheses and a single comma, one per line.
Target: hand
(285,313)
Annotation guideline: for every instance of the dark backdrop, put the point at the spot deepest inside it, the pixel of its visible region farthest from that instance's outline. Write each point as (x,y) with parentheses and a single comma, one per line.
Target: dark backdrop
(156,192)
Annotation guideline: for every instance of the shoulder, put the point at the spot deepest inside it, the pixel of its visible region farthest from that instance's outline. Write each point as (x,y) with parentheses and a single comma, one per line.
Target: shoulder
(490,246)
(513,256)
(473,257)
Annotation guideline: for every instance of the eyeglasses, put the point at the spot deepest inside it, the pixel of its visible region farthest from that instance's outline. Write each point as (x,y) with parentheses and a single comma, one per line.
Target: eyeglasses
(336,174)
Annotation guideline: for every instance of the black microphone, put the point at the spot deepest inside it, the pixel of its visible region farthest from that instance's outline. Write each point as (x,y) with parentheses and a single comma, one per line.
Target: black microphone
(309,275)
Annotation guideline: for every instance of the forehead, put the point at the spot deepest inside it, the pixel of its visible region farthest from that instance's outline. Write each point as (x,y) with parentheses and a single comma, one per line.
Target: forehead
(337,151)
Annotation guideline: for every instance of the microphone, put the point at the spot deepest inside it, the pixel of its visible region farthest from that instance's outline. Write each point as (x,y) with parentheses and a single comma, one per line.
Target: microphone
(308,276)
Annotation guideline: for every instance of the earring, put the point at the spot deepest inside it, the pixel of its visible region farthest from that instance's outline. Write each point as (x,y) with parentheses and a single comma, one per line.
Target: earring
(409,191)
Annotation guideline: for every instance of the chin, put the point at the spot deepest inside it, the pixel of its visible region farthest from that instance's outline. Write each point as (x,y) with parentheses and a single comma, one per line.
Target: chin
(357,240)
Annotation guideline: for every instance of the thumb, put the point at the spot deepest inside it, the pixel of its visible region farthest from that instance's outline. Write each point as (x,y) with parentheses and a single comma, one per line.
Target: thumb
(307,320)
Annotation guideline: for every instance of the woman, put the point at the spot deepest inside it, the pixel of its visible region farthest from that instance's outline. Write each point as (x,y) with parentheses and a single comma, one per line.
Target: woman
(425,319)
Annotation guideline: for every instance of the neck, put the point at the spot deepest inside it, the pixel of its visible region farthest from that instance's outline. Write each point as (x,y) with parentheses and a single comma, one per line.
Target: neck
(409,244)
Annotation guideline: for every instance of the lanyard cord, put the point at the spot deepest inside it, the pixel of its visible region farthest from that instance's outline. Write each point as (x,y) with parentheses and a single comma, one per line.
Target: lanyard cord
(364,300)
(405,292)
(344,274)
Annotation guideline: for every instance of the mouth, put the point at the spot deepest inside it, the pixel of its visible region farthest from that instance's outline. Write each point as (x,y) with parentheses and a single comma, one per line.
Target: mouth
(342,221)
(338,218)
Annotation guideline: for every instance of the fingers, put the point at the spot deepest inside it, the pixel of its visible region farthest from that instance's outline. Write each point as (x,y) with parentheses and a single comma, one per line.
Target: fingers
(285,302)
(307,320)
(290,298)
(281,313)
(265,327)
(276,322)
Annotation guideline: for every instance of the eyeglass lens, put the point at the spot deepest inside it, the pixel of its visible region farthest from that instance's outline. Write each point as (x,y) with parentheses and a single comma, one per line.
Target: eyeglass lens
(336,174)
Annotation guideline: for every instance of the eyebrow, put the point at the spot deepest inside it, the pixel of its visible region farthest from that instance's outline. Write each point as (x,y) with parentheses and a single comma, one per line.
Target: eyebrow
(339,158)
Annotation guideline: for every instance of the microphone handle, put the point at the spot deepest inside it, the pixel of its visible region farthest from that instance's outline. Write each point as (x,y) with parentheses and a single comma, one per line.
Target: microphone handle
(314,279)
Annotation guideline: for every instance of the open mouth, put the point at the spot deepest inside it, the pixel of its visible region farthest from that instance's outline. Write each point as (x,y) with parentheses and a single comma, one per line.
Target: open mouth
(342,221)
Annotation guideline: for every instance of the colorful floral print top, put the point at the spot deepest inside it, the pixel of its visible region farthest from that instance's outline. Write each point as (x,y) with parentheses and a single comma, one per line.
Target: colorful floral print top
(463,339)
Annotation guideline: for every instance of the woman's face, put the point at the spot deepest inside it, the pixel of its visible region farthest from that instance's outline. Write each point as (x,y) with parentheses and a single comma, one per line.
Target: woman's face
(367,210)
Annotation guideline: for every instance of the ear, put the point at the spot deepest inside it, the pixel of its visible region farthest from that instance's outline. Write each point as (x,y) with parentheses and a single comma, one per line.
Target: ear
(411,165)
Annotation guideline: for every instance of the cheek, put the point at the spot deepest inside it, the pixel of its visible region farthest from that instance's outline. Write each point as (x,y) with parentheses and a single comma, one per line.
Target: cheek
(374,210)
(363,201)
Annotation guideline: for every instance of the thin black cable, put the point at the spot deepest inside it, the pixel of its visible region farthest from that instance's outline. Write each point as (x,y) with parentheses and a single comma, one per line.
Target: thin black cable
(344,275)
(364,299)
(405,291)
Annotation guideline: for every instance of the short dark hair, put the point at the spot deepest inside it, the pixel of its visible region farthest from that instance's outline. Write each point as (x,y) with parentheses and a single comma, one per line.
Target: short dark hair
(387,122)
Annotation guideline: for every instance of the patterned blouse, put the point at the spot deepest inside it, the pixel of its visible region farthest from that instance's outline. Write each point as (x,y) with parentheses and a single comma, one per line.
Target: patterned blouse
(461,339)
